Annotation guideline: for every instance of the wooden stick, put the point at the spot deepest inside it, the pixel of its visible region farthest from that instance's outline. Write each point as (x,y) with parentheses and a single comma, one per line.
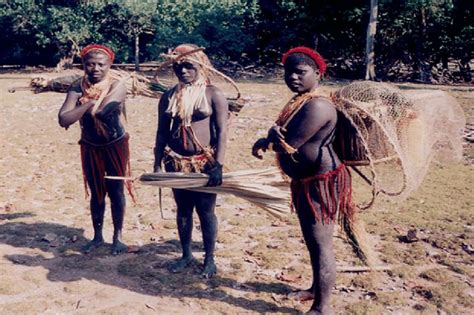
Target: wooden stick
(160,197)
(119,178)
(367,180)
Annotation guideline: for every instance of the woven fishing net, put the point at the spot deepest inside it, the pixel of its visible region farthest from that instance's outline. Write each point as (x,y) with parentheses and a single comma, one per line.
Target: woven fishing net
(391,136)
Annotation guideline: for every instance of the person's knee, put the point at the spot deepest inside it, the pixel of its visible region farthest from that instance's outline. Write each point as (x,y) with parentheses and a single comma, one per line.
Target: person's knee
(114,186)
(184,211)
(117,198)
(322,237)
(208,220)
(97,202)
(205,207)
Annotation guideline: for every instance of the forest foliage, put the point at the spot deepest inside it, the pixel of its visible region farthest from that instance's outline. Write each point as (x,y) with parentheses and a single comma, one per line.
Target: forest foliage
(415,39)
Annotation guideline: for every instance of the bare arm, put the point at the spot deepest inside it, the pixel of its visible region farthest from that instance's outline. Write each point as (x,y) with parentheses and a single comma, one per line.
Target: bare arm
(220,117)
(312,117)
(114,101)
(163,131)
(69,112)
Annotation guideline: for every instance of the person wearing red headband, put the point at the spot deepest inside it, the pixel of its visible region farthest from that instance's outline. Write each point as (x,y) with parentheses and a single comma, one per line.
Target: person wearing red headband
(302,139)
(97,101)
(192,137)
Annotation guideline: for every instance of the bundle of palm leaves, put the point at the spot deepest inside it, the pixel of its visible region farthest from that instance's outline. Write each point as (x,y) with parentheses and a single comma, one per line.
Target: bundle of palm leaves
(264,188)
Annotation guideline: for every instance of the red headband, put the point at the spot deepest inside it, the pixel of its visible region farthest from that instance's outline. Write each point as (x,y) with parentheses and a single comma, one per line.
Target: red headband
(100,48)
(318,59)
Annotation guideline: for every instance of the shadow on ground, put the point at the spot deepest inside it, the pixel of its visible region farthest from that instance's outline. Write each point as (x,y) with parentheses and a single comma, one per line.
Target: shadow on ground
(144,272)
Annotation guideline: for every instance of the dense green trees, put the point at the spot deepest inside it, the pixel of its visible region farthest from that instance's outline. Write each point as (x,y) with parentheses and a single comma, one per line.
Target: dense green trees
(415,39)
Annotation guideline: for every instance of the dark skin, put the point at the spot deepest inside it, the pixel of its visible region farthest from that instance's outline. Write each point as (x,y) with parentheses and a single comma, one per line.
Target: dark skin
(186,201)
(310,132)
(96,66)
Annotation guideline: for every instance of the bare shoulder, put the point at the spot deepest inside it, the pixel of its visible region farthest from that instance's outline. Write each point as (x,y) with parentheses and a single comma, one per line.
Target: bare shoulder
(76,86)
(119,84)
(321,104)
(217,97)
(214,90)
(320,108)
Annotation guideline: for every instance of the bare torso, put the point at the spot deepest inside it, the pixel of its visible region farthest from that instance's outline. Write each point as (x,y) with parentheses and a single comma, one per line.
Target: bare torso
(311,131)
(185,140)
(109,118)
(208,128)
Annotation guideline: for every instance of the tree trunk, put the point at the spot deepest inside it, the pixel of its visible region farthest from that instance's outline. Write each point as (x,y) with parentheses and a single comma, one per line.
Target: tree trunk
(423,67)
(369,48)
(137,51)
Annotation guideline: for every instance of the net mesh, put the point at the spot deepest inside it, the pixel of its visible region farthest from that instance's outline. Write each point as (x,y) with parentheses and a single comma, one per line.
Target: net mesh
(394,135)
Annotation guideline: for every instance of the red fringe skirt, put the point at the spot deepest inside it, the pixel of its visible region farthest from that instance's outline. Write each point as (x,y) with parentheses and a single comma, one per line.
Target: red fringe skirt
(112,158)
(332,198)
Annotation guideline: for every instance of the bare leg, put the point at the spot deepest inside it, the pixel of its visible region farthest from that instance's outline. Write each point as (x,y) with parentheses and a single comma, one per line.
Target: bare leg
(319,241)
(97,215)
(184,220)
(205,205)
(117,205)
(97,208)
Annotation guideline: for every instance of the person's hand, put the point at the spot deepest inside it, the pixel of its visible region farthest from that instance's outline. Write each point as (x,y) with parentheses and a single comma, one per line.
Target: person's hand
(215,175)
(276,134)
(260,145)
(89,103)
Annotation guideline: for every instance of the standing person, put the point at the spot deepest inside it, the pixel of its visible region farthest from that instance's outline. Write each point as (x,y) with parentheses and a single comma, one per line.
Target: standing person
(191,137)
(97,101)
(320,184)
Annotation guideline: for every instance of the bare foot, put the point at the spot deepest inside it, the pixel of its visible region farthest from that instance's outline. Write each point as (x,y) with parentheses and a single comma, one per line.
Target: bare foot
(314,312)
(118,248)
(92,245)
(325,311)
(301,295)
(180,264)
(209,270)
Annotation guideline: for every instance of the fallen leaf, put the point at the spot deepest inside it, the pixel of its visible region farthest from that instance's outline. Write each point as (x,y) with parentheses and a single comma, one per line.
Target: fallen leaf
(370,295)
(9,207)
(275,297)
(150,307)
(410,237)
(49,237)
(288,278)
(468,249)
(253,261)
(300,295)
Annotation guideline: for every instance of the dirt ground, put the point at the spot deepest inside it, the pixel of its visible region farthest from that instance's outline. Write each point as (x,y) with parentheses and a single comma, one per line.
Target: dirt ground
(44,220)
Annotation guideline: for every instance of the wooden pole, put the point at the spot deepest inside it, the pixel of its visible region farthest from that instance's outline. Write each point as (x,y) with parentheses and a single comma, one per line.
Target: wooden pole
(137,51)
